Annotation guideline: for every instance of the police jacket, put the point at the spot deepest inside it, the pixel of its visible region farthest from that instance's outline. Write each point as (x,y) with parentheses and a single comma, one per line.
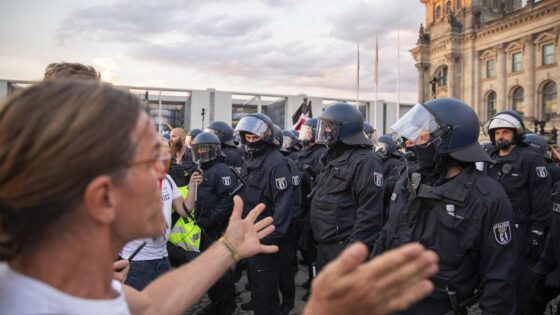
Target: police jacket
(468,222)
(393,167)
(347,204)
(553,169)
(234,156)
(295,180)
(524,177)
(213,200)
(267,180)
(309,158)
(549,263)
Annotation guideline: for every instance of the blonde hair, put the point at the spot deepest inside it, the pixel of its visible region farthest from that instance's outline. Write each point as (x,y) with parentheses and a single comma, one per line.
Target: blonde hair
(66,70)
(55,138)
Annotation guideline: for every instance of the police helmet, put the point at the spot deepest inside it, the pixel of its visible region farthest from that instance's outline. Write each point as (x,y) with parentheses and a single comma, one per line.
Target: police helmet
(278,136)
(308,131)
(289,141)
(507,119)
(386,146)
(538,143)
(341,122)
(191,135)
(453,127)
(223,130)
(206,147)
(258,124)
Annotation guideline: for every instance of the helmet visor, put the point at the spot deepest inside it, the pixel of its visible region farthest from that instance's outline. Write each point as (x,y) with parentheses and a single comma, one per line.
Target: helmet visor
(288,142)
(218,133)
(382,148)
(327,131)
(253,125)
(417,124)
(306,133)
(205,152)
(503,121)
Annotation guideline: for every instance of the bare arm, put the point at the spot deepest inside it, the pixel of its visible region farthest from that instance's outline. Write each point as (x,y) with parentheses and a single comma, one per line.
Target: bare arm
(388,283)
(196,179)
(164,296)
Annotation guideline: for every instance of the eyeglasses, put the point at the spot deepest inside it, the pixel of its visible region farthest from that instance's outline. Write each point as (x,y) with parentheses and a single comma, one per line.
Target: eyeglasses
(160,164)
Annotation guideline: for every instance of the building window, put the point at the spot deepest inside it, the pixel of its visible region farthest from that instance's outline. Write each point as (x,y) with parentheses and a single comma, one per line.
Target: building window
(438,12)
(516,62)
(548,54)
(448,7)
(491,104)
(441,76)
(549,100)
(517,100)
(491,68)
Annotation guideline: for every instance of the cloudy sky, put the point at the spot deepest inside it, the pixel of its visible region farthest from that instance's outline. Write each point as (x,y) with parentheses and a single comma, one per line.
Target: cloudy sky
(274,46)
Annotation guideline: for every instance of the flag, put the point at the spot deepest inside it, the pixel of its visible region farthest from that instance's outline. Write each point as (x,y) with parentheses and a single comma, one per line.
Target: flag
(358,75)
(302,114)
(376,72)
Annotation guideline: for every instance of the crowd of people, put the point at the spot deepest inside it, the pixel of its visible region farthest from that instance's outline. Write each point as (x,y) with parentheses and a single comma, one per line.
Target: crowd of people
(425,220)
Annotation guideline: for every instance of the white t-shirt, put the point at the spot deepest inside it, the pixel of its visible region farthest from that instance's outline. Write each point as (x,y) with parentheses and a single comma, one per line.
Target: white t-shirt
(156,247)
(23,295)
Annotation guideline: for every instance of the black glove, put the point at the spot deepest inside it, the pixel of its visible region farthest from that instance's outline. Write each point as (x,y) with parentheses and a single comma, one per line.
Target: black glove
(204,223)
(537,291)
(535,246)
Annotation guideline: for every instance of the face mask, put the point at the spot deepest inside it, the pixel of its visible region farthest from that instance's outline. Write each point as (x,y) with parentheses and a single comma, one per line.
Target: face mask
(503,144)
(255,148)
(426,156)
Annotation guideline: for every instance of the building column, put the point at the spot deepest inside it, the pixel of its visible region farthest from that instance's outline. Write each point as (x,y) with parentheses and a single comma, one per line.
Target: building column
(451,59)
(501,68)
(422,67)
(529,92)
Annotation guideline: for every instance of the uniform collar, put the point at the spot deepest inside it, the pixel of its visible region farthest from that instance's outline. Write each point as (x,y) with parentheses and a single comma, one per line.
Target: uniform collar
(258,161)
(455,190)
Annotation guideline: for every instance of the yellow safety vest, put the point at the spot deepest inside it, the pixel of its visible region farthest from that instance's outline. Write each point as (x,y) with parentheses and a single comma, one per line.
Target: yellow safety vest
(185,233)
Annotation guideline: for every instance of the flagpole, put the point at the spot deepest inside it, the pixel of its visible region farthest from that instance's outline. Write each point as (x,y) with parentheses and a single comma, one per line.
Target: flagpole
(358,76)
(398,69)
(376,80)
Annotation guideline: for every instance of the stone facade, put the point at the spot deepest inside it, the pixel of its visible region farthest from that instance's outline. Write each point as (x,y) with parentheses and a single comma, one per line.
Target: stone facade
(493,54)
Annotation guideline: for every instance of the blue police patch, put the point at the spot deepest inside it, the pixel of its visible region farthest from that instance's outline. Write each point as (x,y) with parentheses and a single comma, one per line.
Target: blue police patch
(502,232)
(378,179)
(541,172)
(281,183)
(226,180)
(295,180)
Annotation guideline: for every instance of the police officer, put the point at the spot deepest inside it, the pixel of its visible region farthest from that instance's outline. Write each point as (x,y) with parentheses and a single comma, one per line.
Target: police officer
(545,285)
(308,163)
(347,205)
(540,145)
(287,254)
(234,154)
(289,144)
(392,162)
(210,197)
(451,208)
(369,130)
(267,177)
(524,176)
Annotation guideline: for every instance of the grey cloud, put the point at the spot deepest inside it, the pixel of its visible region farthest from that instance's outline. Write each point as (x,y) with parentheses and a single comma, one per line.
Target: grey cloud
(226,26)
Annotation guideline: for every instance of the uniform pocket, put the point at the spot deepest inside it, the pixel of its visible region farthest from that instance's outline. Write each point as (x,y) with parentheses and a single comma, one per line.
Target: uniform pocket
(453,238)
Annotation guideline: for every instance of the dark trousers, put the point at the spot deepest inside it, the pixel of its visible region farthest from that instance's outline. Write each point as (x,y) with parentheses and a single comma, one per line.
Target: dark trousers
(326,252)
(428,306)
(523,270)
(142,272)
(288,267)
(223,291)
(263,275)
(537,303)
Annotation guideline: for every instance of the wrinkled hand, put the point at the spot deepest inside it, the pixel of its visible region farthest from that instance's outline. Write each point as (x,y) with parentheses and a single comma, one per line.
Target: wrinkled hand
(245,234)
(388,283)
(120,269)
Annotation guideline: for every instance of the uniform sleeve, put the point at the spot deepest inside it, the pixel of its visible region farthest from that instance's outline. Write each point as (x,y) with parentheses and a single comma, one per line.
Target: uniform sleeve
(224,183)
(367,192)
(540,190)
(281,193)
(497,259)
(547,263)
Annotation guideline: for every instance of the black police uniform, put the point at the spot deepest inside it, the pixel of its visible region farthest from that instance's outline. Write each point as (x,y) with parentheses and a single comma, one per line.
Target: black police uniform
(267,177)
(553,169)
(546,283)
(347,204)
(212,212)
(287,254)
(308,159)
(392,166)
(468,221)
(234,156)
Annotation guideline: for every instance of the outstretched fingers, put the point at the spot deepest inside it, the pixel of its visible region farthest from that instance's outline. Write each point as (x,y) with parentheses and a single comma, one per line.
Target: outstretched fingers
(255,212)
(237,209)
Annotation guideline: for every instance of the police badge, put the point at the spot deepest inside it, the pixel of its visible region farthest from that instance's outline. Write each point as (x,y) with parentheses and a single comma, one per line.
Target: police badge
(541,171)
(378,179)
(226,180)
(295,180)
(502,232)
(281,183)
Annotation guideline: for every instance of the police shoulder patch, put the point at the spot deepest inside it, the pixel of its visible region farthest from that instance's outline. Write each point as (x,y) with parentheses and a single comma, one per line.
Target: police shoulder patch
(378,179)
(281,183)
(295,180)
(542,172)
(226,180)
(502,232)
